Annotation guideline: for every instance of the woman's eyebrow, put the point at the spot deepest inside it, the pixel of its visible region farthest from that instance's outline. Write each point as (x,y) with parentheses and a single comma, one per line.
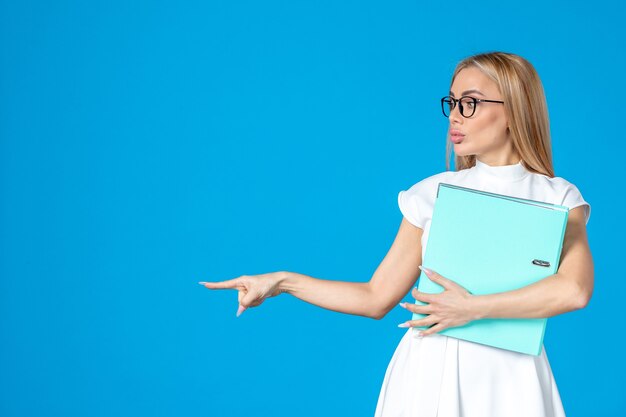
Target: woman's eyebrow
(468,92)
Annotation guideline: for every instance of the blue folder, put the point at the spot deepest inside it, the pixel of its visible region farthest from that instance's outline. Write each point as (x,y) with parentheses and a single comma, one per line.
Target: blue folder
(490,243)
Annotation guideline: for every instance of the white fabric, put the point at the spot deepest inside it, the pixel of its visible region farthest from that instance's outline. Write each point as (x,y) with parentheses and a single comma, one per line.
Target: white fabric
(440,376)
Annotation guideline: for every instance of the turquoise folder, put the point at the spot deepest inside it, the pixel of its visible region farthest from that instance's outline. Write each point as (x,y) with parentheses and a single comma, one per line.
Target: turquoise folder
(490,243)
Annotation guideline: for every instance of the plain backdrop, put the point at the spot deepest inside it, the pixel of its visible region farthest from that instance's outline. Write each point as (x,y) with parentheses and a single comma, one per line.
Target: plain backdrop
(146,146)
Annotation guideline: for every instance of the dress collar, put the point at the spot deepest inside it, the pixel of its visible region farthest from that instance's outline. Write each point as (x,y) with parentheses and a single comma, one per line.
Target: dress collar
(506,172)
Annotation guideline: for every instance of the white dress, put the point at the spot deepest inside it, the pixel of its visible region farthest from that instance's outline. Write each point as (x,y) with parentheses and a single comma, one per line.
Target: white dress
(440,376)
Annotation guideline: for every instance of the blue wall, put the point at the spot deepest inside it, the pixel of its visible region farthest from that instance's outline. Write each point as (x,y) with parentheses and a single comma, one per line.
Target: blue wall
(146,146)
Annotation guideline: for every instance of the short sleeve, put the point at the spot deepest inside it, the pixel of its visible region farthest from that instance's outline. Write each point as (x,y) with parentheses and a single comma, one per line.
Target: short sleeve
(413,204)
(573,198)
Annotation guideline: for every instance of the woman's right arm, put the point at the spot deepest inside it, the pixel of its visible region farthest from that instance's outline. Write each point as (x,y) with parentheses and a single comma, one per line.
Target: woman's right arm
(391,281)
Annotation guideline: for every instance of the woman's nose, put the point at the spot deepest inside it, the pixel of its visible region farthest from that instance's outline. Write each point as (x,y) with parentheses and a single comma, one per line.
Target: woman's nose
(455,115)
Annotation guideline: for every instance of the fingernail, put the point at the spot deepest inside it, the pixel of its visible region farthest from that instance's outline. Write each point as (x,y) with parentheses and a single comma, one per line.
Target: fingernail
(240,310)
(419,334)
(403,325)
(201,283)
(402,305)
(425,269)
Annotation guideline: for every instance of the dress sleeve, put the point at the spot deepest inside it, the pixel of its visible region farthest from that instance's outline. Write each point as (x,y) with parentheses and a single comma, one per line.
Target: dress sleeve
(573,198)
(412,203)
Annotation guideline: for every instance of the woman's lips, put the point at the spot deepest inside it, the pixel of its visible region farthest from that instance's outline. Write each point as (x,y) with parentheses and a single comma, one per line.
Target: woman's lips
(456,138)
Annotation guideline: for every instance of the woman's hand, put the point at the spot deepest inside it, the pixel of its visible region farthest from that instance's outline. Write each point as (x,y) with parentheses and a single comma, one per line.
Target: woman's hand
(451,308)
(253,289)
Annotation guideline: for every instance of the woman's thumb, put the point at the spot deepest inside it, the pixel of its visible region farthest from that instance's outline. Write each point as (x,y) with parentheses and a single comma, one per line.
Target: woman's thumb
(247,300)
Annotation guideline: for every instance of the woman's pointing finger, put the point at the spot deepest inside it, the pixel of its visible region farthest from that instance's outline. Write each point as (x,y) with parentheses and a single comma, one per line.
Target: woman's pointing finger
(232,283)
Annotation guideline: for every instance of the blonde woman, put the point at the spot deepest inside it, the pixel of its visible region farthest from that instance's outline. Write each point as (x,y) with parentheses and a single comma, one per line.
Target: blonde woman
(499,132)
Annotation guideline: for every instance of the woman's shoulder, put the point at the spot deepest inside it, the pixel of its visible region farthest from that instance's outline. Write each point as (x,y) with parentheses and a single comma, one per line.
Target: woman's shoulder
(557,184)
(417,202)
(432,181)
(562,192)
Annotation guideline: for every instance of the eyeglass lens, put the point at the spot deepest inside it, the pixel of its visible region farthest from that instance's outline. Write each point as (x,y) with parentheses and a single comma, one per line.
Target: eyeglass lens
(467,106)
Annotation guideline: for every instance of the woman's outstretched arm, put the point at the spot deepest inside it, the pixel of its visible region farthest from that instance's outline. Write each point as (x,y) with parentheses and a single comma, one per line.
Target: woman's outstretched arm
(391,281)
(341,296)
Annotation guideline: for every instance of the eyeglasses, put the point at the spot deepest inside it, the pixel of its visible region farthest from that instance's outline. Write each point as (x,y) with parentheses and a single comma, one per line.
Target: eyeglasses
(467,105)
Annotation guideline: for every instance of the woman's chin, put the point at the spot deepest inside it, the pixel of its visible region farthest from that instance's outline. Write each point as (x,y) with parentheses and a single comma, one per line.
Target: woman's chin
(461,150)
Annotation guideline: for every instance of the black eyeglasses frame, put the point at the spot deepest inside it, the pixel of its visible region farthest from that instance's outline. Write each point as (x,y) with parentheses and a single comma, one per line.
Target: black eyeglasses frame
(458,101)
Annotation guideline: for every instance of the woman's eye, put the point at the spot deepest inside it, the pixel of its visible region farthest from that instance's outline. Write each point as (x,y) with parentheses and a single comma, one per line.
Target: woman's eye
(469,103)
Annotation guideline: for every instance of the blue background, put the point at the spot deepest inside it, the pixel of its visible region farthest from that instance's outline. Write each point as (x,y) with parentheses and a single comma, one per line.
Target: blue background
(146,146)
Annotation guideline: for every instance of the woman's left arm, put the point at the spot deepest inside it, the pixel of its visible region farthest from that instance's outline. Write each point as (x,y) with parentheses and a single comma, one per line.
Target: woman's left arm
(567,290)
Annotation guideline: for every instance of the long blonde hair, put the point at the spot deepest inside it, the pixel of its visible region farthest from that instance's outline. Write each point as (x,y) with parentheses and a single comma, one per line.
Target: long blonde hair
(524,104)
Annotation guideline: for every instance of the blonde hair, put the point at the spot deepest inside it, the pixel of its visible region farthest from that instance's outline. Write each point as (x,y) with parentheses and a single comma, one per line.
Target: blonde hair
(524,104)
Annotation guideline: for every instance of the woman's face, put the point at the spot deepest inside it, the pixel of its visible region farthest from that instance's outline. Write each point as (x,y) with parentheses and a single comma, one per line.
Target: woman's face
(484,134)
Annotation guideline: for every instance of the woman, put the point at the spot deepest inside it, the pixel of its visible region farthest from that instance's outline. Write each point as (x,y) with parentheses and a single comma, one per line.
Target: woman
(499,131)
